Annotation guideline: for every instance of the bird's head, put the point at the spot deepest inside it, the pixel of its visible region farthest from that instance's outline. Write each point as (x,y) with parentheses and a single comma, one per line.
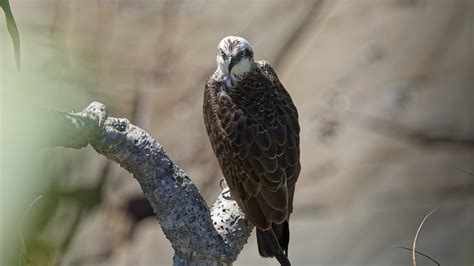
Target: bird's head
(234,57)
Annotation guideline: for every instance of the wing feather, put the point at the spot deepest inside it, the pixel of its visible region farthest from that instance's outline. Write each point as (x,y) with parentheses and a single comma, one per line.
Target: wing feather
(277,201)
(270,213)
(263,140)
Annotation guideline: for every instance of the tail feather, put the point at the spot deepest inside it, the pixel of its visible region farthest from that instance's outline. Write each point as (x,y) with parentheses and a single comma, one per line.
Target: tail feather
(263,249)
(274,242)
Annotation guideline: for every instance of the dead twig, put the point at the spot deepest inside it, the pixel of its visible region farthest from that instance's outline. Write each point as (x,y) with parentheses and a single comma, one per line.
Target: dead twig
(413,253)
(418,252)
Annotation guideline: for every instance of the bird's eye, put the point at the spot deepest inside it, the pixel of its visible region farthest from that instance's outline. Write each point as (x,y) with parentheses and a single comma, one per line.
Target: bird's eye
(242,54)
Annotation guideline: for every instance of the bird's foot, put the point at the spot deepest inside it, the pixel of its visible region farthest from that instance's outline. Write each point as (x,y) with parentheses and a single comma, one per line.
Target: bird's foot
(226,192)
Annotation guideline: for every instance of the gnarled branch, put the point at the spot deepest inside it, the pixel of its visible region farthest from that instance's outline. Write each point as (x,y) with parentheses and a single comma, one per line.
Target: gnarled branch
(197,235)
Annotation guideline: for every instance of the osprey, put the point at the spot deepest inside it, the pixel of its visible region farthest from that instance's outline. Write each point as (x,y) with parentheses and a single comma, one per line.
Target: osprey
(253,127)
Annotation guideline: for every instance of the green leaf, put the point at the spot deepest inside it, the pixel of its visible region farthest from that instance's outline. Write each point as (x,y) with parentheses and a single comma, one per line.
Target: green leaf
(13,30)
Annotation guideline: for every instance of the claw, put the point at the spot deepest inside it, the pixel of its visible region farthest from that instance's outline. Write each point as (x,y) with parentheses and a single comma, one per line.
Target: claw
(226,194)
(222,181)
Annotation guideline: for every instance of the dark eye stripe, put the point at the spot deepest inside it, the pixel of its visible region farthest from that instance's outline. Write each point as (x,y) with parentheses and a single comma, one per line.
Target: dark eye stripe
(223,55)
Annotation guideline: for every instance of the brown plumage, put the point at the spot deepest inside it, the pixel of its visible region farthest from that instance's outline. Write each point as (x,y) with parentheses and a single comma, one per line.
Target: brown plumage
(254,131)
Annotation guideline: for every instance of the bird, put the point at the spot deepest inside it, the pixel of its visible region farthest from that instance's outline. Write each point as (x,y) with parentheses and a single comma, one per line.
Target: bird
(253,128)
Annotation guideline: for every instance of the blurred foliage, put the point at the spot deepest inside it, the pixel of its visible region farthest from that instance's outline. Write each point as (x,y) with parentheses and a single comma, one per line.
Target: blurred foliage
(12,29)
(26,168)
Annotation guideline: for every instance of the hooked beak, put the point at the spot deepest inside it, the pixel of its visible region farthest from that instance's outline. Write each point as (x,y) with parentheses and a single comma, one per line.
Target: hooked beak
(231,64)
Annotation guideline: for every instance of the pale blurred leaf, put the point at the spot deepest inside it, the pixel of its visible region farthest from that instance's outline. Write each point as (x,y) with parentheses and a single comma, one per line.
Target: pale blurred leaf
(12,29)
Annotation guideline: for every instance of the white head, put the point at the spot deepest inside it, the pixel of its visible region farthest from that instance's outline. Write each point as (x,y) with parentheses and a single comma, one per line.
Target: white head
(234,57)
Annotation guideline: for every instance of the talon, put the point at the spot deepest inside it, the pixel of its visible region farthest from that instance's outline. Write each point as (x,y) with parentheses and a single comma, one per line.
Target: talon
(226,194)
(221,182)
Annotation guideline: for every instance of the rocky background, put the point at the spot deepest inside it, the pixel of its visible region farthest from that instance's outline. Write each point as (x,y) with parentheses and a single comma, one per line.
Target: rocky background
(384,90)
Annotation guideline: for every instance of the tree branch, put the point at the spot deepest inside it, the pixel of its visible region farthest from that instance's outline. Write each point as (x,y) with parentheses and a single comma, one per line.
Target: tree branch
(198,236)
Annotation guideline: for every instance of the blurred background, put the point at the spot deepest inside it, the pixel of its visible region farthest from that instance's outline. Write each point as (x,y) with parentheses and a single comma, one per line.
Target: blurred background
(384,90)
